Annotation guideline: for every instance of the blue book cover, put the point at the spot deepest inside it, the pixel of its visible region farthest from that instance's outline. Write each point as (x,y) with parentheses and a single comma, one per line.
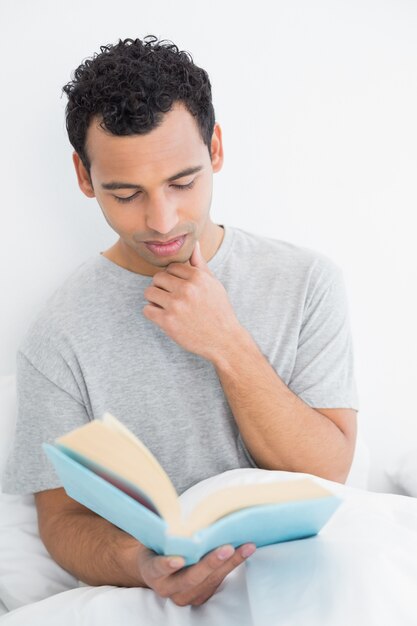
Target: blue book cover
(133,511)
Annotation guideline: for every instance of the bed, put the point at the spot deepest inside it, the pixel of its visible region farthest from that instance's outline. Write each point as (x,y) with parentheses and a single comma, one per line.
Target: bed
(360,569)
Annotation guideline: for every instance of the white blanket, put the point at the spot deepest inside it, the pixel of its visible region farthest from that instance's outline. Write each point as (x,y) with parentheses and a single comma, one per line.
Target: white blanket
(360,570)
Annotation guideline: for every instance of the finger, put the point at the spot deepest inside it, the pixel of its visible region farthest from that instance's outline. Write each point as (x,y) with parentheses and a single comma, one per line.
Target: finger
(193,576)
(158,296)
(153,312)
(190,593)
(166,281)
(155,567)
(239,555)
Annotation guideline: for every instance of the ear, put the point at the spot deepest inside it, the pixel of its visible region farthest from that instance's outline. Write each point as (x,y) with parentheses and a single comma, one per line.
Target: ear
(83,177)
(217,149)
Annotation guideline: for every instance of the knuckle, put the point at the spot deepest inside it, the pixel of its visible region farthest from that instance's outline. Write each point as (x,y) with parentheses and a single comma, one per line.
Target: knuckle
(213,563)
(216,578)
(193,577)
(170,321)
(238,556)
(189,289)
(236,560)
(176,305)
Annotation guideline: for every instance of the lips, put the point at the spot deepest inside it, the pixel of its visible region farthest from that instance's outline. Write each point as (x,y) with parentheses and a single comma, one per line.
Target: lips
(167,248)
(164,243)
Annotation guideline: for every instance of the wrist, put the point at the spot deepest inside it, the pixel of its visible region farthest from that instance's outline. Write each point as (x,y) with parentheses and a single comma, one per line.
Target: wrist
(129,564)
(231,348)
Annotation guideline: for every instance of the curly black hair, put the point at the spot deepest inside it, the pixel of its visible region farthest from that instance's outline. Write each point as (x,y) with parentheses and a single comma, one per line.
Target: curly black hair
(130,85)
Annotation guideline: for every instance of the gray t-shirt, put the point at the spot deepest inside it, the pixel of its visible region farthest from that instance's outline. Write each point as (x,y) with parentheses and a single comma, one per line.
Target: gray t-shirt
(92,350)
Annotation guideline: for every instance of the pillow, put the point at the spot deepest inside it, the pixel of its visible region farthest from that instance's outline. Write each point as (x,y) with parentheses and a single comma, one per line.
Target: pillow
(27,571)
(7,418)
(403,472)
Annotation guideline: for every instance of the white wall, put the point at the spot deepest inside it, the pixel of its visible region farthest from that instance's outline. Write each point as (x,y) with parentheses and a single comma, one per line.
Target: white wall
(317,102)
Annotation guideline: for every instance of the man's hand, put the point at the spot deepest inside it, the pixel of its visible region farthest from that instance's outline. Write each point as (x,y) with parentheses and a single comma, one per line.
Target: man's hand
(194,584)
(191,306)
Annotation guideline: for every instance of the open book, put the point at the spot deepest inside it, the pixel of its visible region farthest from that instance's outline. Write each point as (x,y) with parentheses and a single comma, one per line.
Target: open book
(105,467)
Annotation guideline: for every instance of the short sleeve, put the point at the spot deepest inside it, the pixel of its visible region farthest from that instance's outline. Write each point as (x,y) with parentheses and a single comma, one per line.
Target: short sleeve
(45,411)
(323,373)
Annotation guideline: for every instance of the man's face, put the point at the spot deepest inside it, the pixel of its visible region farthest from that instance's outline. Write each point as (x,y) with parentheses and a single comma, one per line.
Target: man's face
(150,207)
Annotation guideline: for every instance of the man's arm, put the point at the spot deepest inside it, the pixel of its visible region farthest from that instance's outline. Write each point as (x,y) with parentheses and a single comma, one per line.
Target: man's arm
(98,553)
(85,544)
(279,429)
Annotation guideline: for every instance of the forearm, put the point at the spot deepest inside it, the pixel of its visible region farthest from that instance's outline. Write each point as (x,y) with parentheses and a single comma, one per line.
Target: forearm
(279,429)
(93,550)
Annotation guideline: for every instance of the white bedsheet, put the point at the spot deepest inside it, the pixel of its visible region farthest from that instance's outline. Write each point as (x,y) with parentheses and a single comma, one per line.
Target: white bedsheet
(360,570)
(3,609)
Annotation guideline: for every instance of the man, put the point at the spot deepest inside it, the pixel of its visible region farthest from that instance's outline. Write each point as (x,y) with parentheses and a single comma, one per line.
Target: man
(218,348)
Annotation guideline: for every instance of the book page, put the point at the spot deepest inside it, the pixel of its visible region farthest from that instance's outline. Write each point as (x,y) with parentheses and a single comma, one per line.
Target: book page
(239,476)
(113,423)
(228,499)
(125,456)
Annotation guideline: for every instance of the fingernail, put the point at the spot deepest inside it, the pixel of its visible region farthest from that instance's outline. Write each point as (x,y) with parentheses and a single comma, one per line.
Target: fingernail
(247,551)
(176,562)
(225,553)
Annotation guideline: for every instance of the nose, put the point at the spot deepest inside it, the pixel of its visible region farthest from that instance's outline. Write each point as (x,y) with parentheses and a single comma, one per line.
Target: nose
(161,214)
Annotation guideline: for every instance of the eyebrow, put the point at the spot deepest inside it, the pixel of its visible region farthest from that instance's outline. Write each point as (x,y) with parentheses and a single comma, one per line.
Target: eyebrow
(121,185)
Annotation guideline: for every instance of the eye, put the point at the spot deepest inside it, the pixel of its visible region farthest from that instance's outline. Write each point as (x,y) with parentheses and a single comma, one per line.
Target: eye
(128,199)
(180,187)
(189,186)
